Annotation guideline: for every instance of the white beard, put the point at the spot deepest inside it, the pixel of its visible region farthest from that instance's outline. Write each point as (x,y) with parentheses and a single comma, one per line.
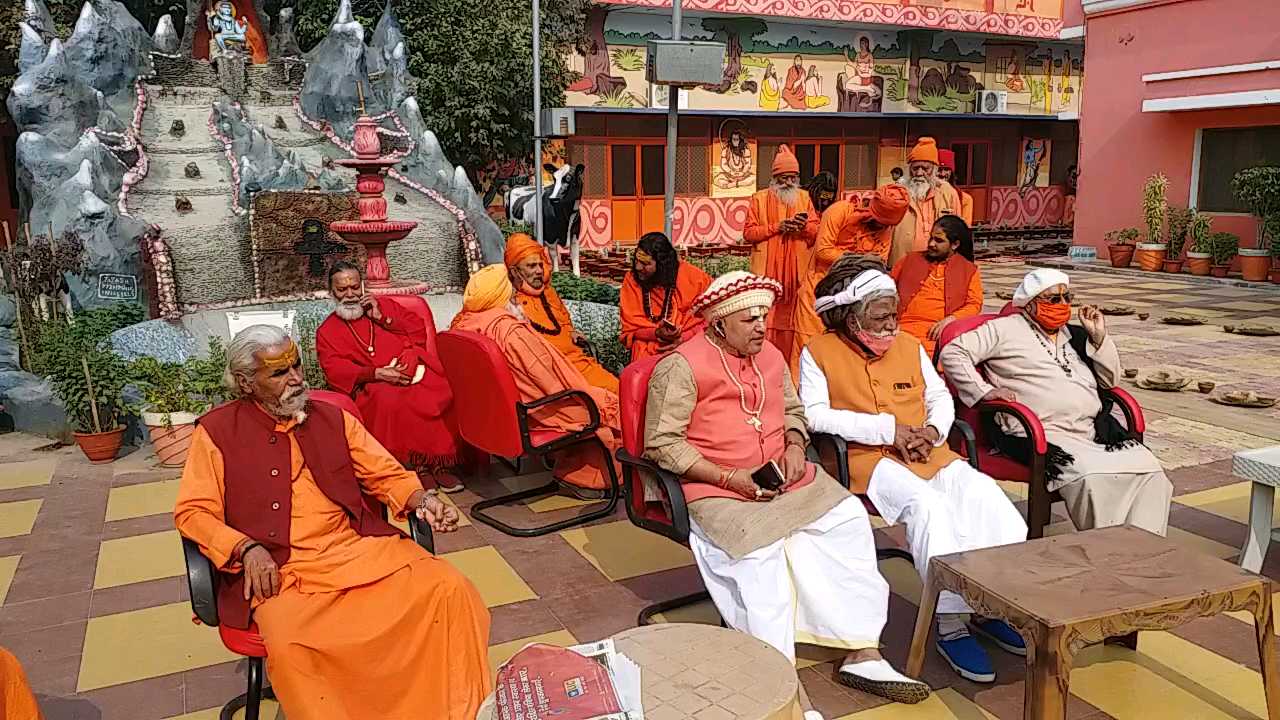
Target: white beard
(348,311)
(787,196)
(919,188)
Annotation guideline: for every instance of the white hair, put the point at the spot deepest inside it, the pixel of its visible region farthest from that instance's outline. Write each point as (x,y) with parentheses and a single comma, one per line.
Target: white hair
(240,353)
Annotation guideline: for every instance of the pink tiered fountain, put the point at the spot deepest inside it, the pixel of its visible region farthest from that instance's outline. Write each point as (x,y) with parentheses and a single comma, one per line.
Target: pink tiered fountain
(373,230)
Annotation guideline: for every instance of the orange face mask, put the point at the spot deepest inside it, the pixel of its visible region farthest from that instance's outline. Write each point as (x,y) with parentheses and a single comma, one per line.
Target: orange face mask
(1052,316)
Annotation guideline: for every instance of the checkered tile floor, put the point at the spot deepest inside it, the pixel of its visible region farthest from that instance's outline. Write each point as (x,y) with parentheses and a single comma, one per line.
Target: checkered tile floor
(93,598)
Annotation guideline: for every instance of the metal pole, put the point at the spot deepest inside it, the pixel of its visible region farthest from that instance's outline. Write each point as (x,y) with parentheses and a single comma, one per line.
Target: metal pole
(537,122)
(673,122)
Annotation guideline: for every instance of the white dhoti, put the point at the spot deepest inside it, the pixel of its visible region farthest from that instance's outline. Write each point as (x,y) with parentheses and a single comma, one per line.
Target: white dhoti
(958,509)
(819,585)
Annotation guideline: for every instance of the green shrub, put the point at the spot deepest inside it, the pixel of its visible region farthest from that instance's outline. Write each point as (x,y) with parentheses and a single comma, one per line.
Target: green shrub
(1225,246)
(87,376)
(571,287)
(717,265)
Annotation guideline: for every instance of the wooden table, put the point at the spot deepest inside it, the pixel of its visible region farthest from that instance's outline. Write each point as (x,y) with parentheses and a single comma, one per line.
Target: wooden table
(1262,468)
(690,671)
(1065,592)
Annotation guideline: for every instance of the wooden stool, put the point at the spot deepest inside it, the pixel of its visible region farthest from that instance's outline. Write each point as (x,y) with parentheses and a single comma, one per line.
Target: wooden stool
(1065,592)
(690,671)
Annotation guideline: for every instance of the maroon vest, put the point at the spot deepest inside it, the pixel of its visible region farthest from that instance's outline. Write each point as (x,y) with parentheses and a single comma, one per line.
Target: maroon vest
(257,497)
(955,283)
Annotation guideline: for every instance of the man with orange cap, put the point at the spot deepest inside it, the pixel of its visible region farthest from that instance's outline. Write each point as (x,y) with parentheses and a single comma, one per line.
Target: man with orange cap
(782,225)
(931,197)
(863,226)
(530,269)
(946,171)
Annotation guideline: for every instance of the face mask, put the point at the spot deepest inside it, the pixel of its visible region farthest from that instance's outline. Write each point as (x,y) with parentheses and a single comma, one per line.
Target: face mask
(1052,316)
(877,344)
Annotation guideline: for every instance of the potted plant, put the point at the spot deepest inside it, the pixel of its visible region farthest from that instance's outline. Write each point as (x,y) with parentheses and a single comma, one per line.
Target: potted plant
(1224,246)
(168,408)
(1200,256)
(1120,246)
(1150,254)
(1259,189)
(1179,224)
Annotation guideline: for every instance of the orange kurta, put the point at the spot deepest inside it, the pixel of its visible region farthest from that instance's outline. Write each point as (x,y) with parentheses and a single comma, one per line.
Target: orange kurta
(781,256)
(929,304)
(843,230)
(555,325)
(540,371)
(912,234)
(966,207)
(639,329)
(363,627)
(16,700)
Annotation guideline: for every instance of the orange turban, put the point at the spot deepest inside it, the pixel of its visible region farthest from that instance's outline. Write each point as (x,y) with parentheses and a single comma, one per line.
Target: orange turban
(521,246)
(785,162)
(487,289)
(947,159)
(889,204)
(926,150)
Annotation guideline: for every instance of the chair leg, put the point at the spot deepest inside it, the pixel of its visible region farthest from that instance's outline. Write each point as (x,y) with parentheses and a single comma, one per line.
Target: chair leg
(646,615)
(609,503)
(894,553)
(251,701)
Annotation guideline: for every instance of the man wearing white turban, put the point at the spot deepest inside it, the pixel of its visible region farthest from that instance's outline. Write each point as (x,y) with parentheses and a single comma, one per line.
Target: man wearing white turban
(1035,358)
(787,561)
(866,382)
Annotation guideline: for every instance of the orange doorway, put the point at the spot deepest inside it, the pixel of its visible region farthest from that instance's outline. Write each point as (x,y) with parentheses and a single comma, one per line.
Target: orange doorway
(636,173)
(973,174)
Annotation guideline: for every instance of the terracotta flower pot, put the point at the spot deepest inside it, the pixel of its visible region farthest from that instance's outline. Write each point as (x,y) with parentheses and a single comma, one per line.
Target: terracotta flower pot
(101,448)
(1150,256)
(1255,264)
(170,436)
(1121,255)
(1173,266)
(1199,263)
(1219,271)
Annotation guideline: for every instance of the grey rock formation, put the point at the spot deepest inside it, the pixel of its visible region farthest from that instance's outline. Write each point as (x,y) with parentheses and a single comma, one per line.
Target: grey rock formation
(10,379)
(396,80)
(166,38)
(109,121)
(330,180)
(31,50)
(108,47)
(191,170)
(336,75)
(262,165)
(52,100)
(8,351)
(387,33)
(285,43)
(35,14)
(37,410)
(8,311)
(43,165)
(165,341)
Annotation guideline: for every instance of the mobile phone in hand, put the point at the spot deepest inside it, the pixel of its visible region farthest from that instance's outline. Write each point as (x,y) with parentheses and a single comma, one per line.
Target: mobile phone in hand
(769,476)
(802,217)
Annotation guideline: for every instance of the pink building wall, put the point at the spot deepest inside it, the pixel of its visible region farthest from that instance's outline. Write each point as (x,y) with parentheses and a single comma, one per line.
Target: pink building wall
(1120,145)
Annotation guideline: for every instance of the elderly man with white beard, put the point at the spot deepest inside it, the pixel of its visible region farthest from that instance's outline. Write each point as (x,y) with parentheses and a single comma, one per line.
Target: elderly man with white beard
(376,351)
(931,198)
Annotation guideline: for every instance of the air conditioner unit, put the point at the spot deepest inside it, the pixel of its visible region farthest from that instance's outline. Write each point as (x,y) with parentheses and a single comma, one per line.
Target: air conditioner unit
(658,95)
(993,102)
(558,122)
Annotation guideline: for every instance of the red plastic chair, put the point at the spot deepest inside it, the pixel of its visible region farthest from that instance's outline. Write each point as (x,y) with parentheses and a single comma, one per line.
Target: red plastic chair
(492,418)
(1000,466)
(202,583)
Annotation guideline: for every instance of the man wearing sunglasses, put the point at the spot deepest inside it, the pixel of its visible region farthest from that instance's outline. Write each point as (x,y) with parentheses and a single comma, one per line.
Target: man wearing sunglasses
(1035,358)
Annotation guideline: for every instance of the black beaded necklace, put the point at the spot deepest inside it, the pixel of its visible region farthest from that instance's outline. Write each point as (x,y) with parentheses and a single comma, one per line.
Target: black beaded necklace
(555,322)
(1059,358)
(666,306)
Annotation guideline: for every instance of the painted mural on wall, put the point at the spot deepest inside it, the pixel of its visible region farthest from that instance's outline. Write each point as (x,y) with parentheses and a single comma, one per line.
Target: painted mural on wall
(787,67)
(733,161)
(1033,164)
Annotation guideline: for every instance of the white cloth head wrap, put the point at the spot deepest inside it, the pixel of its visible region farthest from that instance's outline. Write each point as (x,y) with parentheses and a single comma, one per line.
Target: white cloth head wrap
(864,284)
(734,291)
(1036,282)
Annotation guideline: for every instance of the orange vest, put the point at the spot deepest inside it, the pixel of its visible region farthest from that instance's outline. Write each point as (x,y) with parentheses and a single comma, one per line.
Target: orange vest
(891,384)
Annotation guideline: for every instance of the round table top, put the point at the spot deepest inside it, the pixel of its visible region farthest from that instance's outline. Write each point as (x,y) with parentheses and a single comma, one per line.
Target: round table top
(687,669)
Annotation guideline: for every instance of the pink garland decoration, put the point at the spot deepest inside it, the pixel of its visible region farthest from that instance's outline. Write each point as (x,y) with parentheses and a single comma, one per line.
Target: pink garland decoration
(156,249)
(231,159)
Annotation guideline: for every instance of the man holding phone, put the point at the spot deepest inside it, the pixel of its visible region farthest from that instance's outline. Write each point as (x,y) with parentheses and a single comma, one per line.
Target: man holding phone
(656,297)
(784,550)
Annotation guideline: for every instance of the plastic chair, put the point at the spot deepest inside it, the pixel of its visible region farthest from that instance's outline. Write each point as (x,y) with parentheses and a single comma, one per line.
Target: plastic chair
(493,418)
(989,460)
(202,583)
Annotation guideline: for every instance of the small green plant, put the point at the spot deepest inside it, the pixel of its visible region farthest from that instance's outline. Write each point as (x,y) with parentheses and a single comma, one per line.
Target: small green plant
(165,388)
(1154,206)
(1179,221)
(311,369)
(1201,240)
(204,375)
(87,375)
(628,59)
(938,103)
(1123,236)
(1259,189)
(1225,246)
(584,289)
(755,61)
(895,82)
(619,97)
(717,265)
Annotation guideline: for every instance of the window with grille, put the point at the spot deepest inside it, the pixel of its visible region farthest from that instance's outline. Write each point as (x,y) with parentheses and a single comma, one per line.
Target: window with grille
(595,172)
(859,166)
(692,170)
(1225,152)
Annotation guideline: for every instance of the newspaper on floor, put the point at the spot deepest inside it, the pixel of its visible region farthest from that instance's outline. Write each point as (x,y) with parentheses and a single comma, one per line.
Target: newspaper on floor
(624,672)
(587,682)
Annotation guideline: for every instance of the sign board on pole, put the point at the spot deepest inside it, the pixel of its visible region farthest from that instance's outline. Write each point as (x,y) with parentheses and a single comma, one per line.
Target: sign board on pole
(117,287)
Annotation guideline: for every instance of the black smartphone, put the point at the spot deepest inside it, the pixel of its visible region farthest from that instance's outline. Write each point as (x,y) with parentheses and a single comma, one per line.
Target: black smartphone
(801,216)
(769,476)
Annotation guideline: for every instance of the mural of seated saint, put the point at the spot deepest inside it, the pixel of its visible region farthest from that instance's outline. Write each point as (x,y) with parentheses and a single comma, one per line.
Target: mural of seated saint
(230,28)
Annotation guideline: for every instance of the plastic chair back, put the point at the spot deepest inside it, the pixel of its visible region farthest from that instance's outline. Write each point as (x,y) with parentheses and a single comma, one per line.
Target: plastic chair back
(339,400)
(633,394)
(484,390)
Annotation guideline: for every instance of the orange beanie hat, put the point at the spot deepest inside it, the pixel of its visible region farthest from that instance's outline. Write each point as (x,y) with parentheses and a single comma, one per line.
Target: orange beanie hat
(785,162)
(889,204)
(926,150)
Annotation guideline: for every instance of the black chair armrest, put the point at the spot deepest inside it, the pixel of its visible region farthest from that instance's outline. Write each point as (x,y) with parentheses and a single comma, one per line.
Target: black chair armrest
(962,434)
(200,581)
(593,419)
(678,530)
(839,448)
(420,531)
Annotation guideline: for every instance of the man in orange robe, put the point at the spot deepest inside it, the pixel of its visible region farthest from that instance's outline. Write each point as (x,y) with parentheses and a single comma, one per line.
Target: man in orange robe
(938,286)
(782,225)
(793,91)
(946,171)
(530,269)
(359,621)
(381,354)
(489,308)
(16,700)
(861,226)
(656,296)
(931,198)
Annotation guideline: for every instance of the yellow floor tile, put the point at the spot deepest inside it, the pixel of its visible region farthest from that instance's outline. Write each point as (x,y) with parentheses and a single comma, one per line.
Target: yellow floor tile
(27,474)
(497,581)
(146,643)
(499,654)
(17,518)
(945,704)
(621,550)
(1228,501)
(903,579)
(702,613)
(546,503)
(139,558)
(131,501)
(1014,490)
(1248,306)
(1169,677)
(8,566)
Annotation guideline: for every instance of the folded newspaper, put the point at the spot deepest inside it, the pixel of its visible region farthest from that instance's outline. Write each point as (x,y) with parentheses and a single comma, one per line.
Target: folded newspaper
(584,682)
